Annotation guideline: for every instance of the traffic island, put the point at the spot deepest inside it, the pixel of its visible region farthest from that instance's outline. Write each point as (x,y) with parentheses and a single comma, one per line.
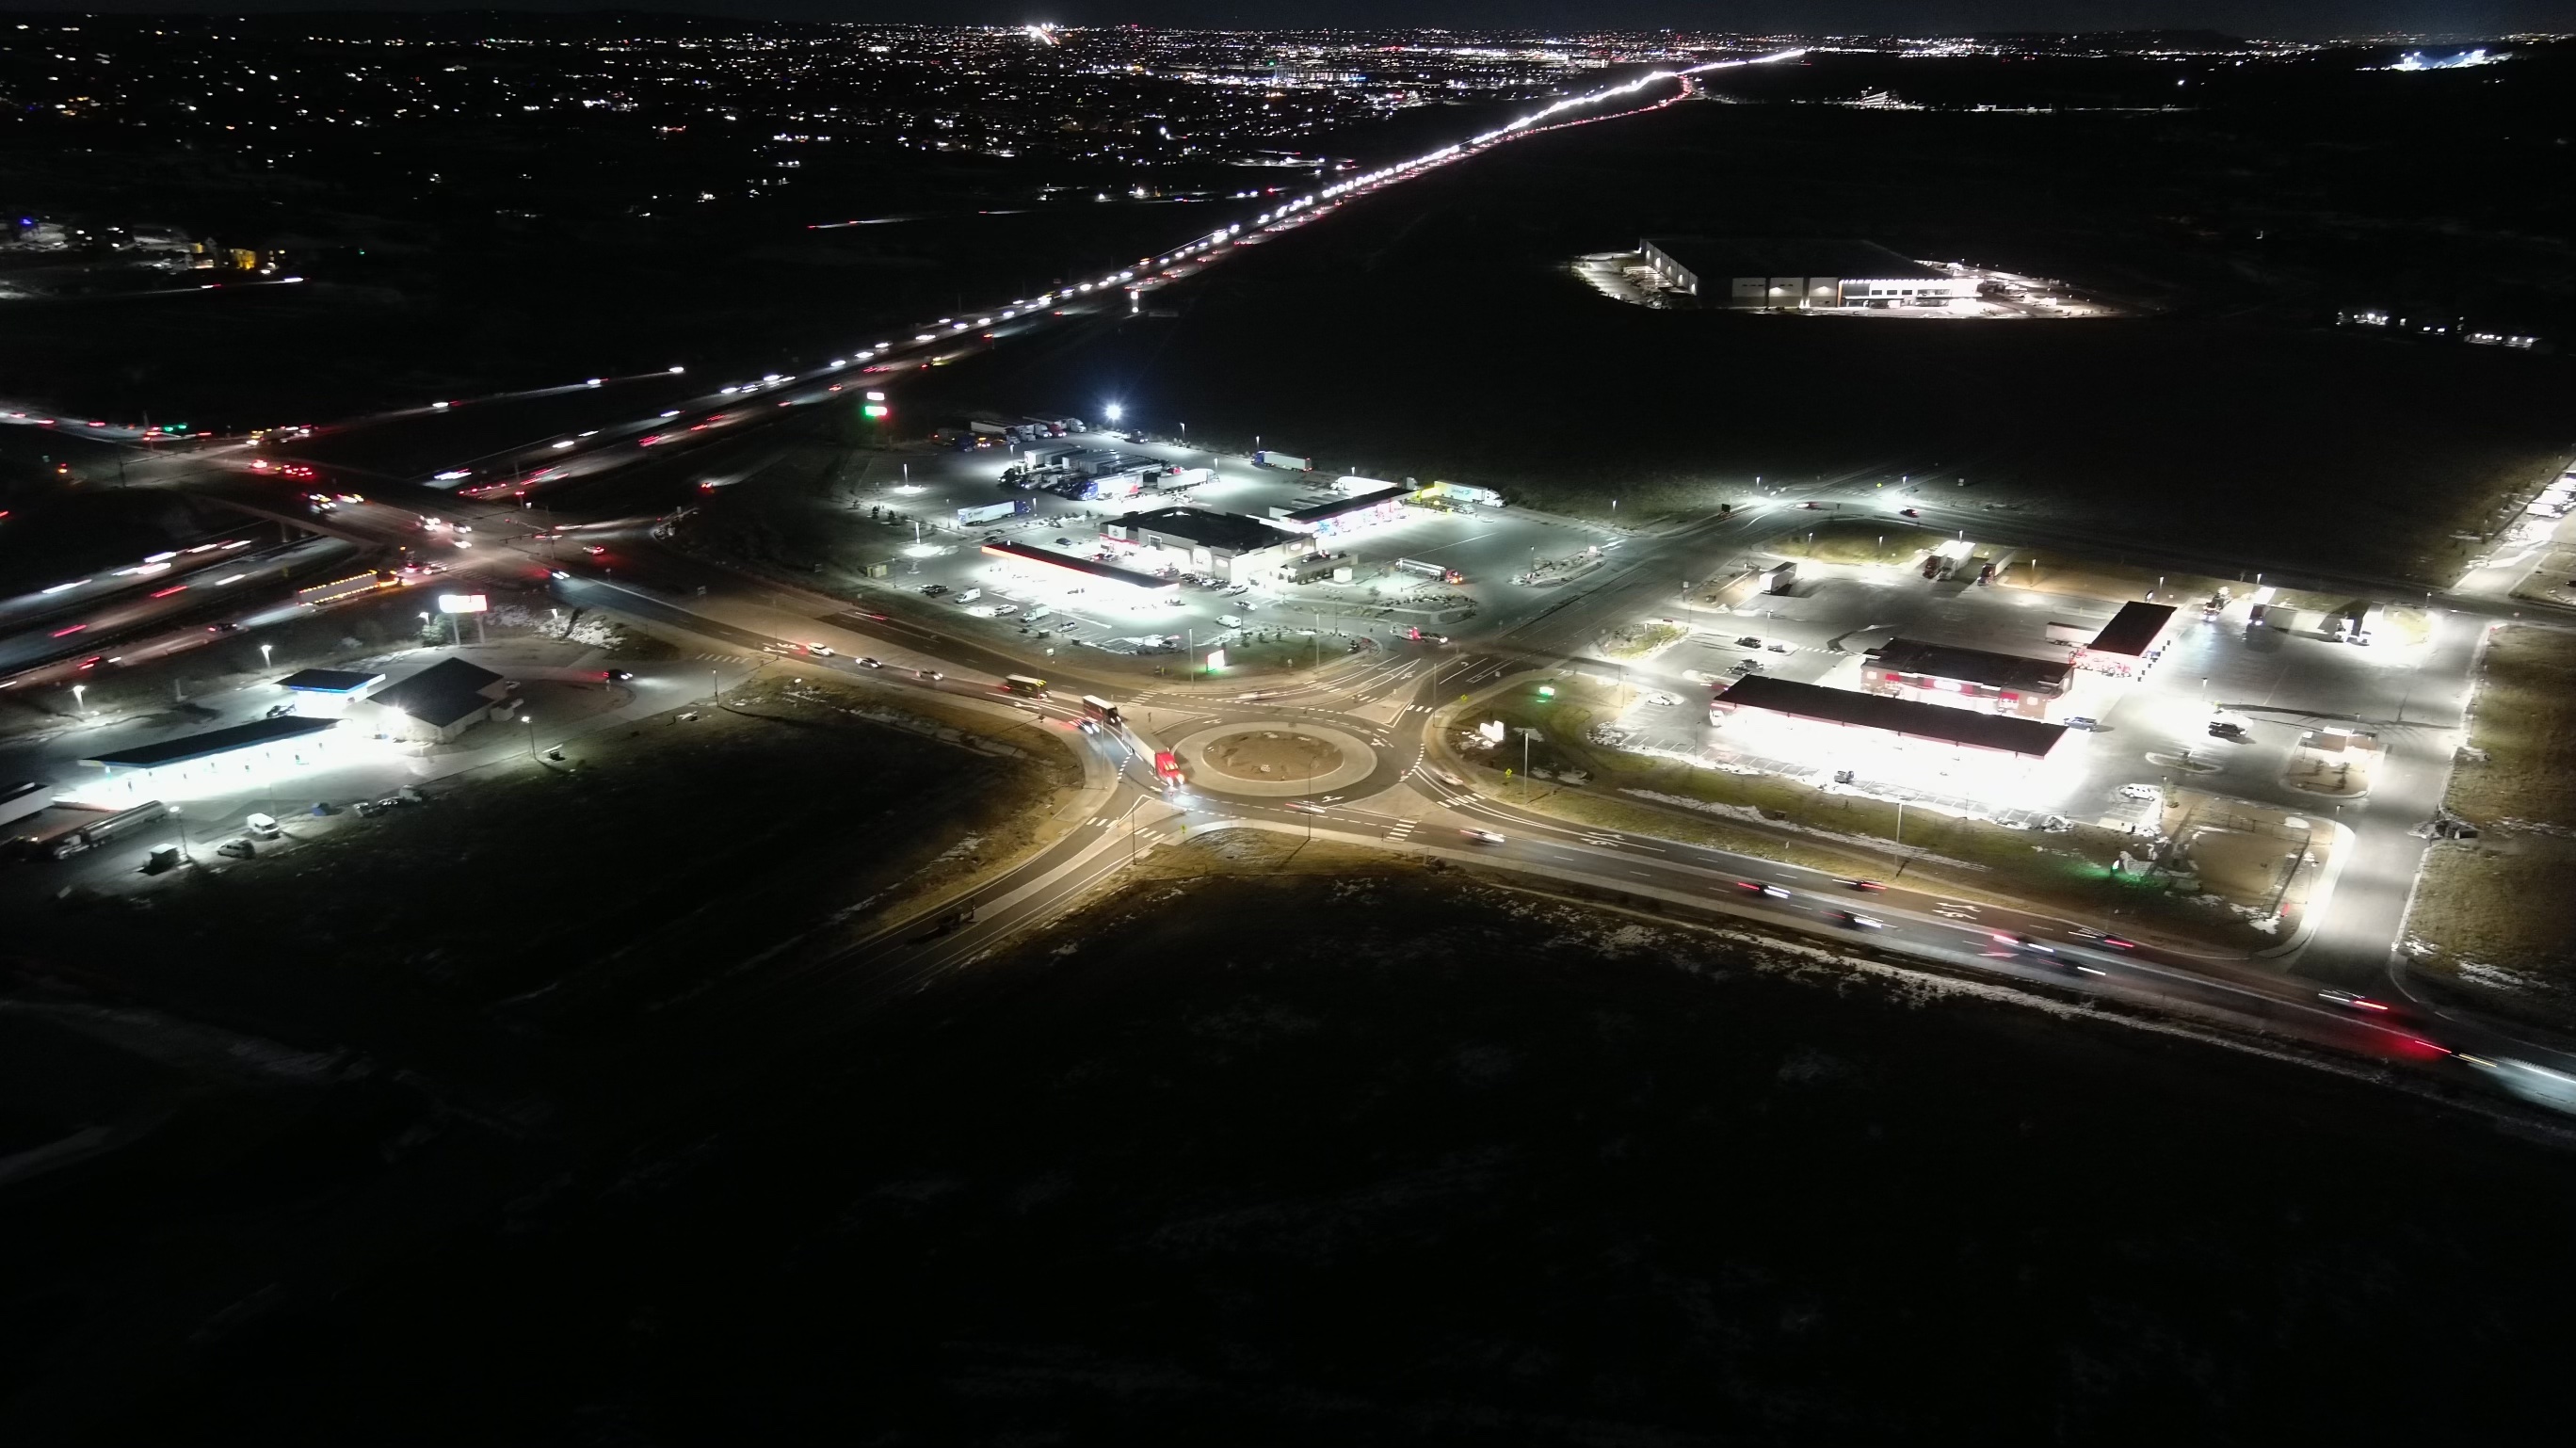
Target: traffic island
(1273,759)
(2335,763)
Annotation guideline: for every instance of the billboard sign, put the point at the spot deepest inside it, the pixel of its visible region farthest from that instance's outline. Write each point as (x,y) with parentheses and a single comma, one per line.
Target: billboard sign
(463,603)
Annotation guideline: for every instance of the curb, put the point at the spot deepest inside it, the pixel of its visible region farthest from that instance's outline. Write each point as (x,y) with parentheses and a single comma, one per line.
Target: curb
(2320,895)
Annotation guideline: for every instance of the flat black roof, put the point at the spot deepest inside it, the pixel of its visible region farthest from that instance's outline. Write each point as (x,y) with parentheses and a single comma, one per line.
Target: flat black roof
(440,694)
(2004,732)
(2133,630)
(1719,258)
(329,681)
(1975,666)
(1336,508)
(1216,530)
(215,741)
(1105,572)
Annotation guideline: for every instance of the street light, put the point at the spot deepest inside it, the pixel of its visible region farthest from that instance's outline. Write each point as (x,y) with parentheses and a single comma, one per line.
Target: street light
(263,655)
(531,721)
(1114,412)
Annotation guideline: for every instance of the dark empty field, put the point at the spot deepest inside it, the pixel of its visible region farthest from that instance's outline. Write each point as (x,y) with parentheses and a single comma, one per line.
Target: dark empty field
(1433,331)
(1439,1164)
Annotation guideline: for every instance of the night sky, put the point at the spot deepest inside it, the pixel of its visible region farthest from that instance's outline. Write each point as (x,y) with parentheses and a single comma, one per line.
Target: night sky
(2288,18)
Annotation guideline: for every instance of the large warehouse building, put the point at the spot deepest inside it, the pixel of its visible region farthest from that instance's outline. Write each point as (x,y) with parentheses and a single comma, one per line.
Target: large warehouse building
(2130,643)
(1967,678)
(1228,545)
(1804,276)
(1064,571)
(1880,737)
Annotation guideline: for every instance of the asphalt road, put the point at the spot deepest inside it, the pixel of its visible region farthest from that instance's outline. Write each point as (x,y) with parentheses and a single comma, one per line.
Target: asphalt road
(1406,806)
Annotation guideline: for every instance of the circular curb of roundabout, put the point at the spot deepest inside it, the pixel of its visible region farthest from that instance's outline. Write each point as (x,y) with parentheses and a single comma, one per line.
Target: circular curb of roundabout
(1359,761)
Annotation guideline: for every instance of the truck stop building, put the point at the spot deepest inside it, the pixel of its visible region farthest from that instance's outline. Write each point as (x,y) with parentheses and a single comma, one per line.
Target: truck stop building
(1063,570)
(1881,736)
(1967,678)
(1344,515)
(1228,545)
(216,760)
(1802,276)
(336,683)
(438,703)
(2129,644)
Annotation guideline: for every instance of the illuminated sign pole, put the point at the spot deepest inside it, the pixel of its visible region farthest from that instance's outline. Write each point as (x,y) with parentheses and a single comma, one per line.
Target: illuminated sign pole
(453,604)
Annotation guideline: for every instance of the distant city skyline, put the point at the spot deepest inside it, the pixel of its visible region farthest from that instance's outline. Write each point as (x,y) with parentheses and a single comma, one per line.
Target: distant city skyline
(2253,18)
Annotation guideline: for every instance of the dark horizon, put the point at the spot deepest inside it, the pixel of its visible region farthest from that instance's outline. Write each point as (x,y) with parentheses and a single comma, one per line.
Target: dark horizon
(2251,19)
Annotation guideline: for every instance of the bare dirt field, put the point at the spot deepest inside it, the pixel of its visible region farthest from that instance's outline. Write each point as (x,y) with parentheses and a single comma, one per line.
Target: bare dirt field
(1248,1155)
(2173,432)
(2495,913)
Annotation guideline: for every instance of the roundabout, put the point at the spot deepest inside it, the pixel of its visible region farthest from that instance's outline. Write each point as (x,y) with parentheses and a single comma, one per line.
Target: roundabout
(1269,759)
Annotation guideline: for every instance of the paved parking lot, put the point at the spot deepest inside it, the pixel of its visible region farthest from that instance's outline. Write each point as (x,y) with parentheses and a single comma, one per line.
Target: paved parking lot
(1489,546)
(2152,730)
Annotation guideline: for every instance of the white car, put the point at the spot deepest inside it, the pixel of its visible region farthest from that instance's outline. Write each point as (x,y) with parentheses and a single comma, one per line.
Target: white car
(1664,700)
(1483,837)
(2140,791)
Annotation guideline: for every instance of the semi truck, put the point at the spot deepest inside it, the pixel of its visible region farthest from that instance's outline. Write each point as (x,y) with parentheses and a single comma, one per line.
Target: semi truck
(1268,458)
(993,512)
(1780,578)
(2077,634)
(105,828)
(1440,571)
